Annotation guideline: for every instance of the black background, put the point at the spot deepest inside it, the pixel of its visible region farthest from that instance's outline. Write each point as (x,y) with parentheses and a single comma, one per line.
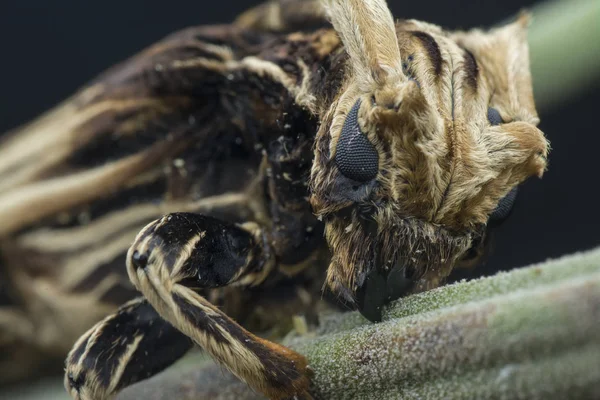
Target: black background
(50,48)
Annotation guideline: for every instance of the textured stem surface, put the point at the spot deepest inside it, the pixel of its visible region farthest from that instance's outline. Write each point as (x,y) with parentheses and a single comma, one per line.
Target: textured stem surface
(532,333)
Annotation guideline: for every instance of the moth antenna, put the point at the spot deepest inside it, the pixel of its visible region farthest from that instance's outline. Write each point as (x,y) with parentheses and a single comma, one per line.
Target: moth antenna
(368,31)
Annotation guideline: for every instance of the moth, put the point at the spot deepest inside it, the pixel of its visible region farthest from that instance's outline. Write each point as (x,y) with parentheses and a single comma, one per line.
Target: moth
(309,146)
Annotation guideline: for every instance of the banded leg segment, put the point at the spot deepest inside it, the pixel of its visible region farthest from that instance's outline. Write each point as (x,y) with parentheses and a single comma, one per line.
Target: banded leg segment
(174,256)
(126,347)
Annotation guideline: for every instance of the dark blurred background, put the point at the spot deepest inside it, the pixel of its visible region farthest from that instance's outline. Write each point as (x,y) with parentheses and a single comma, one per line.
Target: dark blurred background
(50,48)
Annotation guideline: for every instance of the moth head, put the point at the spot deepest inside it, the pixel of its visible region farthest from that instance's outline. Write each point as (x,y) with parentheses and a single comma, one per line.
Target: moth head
(429,132)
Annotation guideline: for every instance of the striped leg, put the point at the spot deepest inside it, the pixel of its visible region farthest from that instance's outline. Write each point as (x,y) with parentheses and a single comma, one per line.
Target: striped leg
(181,252)
(126,347)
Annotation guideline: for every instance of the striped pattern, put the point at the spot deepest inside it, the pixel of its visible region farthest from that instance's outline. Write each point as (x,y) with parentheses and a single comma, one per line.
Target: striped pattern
(162,132)
(158,265)
(147,346)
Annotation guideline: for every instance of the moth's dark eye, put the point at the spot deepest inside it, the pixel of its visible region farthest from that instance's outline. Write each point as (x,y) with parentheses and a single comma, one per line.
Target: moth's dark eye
(494,116)
(355,155)
(504,207)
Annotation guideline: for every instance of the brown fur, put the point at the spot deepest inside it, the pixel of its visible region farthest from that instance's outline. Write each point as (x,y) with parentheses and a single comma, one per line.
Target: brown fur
(443,168)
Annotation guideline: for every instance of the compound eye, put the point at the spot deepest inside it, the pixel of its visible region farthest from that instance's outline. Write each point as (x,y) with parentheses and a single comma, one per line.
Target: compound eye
(494,116)
(355,155)
(504,207)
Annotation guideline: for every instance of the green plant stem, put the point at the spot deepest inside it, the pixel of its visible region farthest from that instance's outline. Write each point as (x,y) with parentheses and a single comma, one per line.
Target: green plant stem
(532,333)
(564,40)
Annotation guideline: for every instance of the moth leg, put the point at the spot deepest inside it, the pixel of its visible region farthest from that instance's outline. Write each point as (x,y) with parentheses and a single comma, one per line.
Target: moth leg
(175,256)
(131,345)
(283,16)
